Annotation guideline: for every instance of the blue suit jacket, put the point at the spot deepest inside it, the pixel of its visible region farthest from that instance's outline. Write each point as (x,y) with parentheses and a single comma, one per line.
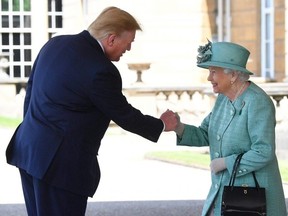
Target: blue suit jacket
(72,94)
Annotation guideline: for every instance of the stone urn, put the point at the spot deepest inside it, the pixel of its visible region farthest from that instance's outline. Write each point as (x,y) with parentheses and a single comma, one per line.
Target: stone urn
(139,68)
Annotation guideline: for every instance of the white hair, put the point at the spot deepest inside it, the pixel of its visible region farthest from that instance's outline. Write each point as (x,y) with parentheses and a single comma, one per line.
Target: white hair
(242,75)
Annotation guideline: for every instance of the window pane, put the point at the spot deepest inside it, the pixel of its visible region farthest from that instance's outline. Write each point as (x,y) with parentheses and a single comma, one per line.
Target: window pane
(268,65)
(49,21)
(5,21)
(5,6)
(16,39)
(27,55)
(27,70)
(49,5)
(5,39)
(16,21)
(55,5)
(16,5)
(268,61)
(268,3)
(16,55)
(58,21)
(268,27)
(17,70)
(27,39)
(27,21)
(27,5)
(58,5)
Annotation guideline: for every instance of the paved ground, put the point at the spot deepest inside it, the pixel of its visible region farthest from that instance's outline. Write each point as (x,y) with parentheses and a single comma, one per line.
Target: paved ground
(126,208)
(130,184)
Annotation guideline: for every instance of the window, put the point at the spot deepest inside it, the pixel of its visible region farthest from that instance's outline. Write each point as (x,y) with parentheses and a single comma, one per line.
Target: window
(223,20)
(15,37)
(54,16)
(267,39)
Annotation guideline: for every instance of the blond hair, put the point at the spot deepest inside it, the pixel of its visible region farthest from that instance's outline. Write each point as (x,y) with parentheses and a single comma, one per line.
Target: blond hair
(112,20)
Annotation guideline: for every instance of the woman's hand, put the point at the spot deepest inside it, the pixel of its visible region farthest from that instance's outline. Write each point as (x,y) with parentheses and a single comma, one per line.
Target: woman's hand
(180,126)
(217,165)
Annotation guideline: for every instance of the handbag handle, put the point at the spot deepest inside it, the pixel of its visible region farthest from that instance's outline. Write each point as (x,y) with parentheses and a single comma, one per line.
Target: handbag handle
(234,172)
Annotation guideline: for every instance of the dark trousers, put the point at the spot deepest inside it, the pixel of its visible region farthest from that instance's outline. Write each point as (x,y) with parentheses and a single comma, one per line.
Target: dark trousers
(42,199)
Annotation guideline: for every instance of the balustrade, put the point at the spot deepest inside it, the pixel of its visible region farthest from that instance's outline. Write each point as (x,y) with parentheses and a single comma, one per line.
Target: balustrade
(277,91)
(194,102)
(173,96)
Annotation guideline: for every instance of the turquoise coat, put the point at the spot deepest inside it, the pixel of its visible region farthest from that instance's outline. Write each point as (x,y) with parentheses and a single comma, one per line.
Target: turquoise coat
(245,125)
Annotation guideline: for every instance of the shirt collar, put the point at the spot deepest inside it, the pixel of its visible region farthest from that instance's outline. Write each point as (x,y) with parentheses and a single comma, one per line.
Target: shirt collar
(101,45)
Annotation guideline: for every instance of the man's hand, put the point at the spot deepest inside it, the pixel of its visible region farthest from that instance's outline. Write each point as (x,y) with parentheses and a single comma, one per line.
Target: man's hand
(170,120)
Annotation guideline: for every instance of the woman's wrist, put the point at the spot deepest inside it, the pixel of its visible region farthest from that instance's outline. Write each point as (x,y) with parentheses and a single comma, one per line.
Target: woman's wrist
(180,129)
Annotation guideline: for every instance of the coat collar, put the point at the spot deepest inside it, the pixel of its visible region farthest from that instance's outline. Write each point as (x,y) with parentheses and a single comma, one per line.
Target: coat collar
(92,40)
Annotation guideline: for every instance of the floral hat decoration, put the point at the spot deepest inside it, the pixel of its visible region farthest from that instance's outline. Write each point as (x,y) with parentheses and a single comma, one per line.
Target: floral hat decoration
(223,54)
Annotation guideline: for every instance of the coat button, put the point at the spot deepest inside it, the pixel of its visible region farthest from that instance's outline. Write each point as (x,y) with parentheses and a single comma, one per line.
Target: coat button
(231,112)
(216,154)
(218,137)
(216,186)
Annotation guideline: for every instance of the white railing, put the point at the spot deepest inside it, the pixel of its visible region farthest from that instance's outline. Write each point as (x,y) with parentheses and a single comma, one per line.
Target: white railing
(196,101)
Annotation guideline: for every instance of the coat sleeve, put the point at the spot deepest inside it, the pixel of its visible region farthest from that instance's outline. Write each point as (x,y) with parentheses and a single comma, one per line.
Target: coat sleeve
(195,136)
(108,98)
(29,89)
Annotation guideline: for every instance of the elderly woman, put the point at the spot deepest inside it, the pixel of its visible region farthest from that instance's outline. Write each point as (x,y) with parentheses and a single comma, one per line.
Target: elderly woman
(242,121)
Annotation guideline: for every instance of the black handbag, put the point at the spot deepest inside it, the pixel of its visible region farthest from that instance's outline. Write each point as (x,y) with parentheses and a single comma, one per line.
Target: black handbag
(242,200)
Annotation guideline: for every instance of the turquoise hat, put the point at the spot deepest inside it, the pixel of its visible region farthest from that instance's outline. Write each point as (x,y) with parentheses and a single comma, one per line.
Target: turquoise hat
(223,54)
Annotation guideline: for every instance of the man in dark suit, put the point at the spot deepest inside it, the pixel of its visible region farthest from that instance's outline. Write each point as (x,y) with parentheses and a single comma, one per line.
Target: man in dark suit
(74,91)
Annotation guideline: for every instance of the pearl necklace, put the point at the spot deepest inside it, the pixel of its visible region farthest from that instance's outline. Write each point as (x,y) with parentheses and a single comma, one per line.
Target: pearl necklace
(239,91)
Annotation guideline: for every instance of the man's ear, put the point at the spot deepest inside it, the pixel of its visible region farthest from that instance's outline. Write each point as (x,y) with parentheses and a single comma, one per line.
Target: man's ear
(111,39)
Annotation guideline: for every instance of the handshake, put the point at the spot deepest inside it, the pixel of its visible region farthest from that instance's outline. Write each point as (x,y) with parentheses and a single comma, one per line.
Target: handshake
(172,122)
